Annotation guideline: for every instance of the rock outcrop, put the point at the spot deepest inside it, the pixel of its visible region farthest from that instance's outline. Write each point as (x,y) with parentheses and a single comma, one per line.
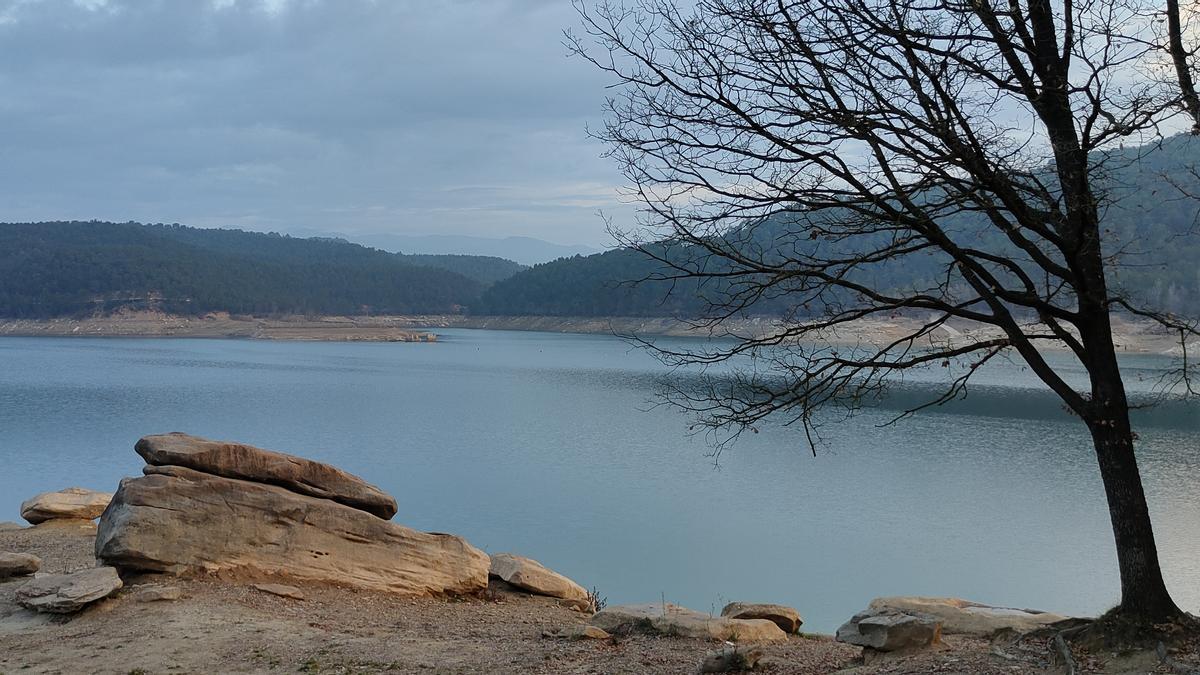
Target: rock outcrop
(18,564)
(668,619)
(963,617)
(532,576)
(182,521)
(73,503)
(890,631)
(67,593)
(786,618)
(246,462)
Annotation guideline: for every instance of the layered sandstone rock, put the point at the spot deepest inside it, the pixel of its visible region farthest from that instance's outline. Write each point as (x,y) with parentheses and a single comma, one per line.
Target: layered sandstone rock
(787,618)
(183,521)
(67,593)
(668,619)
(73,503)
(969,618)
(532,576)
(246,462)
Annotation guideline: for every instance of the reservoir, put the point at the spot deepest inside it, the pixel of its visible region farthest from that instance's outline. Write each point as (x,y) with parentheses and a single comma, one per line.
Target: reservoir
(552,446)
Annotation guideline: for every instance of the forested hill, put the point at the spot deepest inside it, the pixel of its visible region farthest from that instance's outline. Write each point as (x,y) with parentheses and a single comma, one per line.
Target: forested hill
(1149,221)
(82,268)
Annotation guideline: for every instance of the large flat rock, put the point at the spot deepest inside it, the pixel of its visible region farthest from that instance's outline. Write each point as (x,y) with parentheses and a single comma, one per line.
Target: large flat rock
(532,576)
(889,631)
(18,564)
(787,618)
(964,617)
(668,619)
(237,460)
(66,593)
(182,521)
(73,503)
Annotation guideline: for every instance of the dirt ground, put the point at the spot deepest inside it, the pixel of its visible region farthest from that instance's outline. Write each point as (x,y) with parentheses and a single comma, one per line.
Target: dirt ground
(225,627)
(221,626)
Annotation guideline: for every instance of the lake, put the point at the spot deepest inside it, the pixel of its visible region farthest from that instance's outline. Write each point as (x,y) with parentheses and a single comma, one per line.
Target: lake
(549,446)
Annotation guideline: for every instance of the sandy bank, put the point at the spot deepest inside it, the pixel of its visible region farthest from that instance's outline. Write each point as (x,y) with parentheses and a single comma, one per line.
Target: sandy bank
(1134,337)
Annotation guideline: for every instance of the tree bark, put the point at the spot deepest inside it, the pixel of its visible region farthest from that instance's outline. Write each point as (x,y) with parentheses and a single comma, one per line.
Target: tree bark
(1144,594)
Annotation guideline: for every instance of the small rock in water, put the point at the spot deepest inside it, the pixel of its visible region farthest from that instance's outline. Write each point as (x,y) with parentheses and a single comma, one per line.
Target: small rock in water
(786,618)
(281,590)
(157,593)
(730,660)
(18,564)
(66,593)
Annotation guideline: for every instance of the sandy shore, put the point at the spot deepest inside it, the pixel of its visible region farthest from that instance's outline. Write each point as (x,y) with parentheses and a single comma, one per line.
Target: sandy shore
(228,627)
(1135,337)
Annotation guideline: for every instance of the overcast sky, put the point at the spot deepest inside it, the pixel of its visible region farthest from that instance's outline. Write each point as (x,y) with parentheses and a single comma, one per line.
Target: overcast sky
(413,117)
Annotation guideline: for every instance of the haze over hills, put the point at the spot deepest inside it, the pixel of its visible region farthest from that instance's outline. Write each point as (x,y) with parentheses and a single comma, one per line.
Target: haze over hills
(523,250)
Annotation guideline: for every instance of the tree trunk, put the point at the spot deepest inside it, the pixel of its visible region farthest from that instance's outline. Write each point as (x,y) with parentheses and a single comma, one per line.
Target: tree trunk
(1144,595)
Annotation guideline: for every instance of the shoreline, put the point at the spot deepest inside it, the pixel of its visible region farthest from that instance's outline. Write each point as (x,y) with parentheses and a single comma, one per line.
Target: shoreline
(1133,337)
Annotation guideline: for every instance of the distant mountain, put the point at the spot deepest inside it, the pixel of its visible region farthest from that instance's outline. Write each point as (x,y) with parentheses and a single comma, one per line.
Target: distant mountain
(524,250)
(82,268)
(1157,231)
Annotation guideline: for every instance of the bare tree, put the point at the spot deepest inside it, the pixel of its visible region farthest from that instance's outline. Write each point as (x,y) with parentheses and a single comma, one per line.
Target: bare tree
(805,153)
(1182,61)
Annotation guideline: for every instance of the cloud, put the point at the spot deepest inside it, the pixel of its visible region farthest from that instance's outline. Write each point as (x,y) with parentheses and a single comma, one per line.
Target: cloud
(302,114)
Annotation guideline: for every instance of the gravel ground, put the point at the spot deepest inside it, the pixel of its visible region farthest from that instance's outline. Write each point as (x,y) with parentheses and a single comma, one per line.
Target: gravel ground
(225,627)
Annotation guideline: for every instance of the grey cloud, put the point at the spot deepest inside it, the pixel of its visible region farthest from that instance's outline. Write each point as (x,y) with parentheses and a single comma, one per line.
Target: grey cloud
(341,114)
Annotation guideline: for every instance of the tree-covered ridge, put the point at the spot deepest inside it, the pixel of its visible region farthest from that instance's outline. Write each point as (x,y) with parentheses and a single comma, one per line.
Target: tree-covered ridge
(79,268)
(1150,224)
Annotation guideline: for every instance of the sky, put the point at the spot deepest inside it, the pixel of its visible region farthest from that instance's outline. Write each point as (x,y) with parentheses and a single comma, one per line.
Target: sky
(353,116)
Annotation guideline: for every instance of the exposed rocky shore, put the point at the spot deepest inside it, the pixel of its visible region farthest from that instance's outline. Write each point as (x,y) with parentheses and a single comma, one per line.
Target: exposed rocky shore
(224,557)
(1137,337)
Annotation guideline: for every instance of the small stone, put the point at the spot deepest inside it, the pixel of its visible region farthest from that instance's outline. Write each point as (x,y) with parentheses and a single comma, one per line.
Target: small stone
(157,593)
(786,618)
(583,632)
(67,593)
(730,660)
(575,604)
(18,564)
(281,590)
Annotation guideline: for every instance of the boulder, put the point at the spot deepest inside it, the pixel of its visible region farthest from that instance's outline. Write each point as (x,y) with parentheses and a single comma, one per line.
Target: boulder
(66,593)
(181,521)
(282,590)
(531,576)
(246,462)
(72,503)
(786,618)
(668,619)
(889,631)
(18,564)
(963,617)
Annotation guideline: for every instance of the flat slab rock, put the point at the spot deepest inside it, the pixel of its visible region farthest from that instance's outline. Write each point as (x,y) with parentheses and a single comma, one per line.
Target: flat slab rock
(963,617)
(181,521)
(246,462)
(72,503)
(787,618)
(18,564)
(655,617)
(890,631)
(532,576)
(67,593)
(282,590)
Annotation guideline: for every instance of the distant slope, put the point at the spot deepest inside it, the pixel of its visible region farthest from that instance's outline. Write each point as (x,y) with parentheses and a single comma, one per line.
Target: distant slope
(80,268)
(524,250)
(1156,229)
(482,268)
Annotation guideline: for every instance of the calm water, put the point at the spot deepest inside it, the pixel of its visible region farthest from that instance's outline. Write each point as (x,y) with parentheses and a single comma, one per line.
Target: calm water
(543,444)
